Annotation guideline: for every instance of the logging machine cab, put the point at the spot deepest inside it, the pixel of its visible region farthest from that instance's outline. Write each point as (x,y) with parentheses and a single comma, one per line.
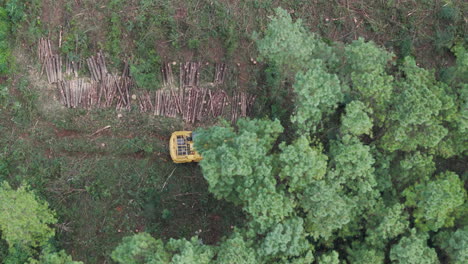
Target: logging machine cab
(181,147)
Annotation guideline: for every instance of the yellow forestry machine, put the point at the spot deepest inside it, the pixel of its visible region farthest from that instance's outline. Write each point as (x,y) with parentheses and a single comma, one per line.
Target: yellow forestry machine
(181,147)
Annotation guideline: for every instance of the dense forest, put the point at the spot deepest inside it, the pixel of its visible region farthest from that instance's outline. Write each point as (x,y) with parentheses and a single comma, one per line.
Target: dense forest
(354,151)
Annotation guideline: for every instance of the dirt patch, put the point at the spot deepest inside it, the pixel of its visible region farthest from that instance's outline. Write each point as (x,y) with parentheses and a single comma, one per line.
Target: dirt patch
(52,13)
(66,133)
(185,55)
(180,13)
(215,51)
(163,50)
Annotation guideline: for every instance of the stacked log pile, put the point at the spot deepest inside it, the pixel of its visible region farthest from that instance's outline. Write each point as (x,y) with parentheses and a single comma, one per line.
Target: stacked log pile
(97,67)
(190,74)
(51,62)
(187,99)
(72,68)
(78,93)
(167,76)
(220,72)
(241,104)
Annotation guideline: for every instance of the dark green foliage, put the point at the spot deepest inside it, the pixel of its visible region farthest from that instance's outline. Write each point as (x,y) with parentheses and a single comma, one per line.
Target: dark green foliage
(146,71)
(49,257)
(444,38)
(114,37)
(412,167)
(16,11)
(385,224)
(449,13)
(361,253)
(25,19)
(454,244)
(5,56)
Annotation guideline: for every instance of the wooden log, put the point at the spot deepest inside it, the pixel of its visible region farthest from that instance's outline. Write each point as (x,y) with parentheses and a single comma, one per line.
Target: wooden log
(59,68)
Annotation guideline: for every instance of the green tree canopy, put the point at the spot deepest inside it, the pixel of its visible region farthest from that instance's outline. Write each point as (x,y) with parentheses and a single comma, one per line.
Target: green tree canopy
(139,249)
(413,249)
(317,95)
(361,253)
(32,217)
(454,244)
(356,121)
(300,164)
(417,105)
(290,46)
(435,201)
(49,257)
(237,250)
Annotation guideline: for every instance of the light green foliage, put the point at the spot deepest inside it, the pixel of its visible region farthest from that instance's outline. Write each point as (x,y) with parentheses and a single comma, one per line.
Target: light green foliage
(386,223)
(435,201)
(290,46)
(454,244)
(352,166)
(366,63)
(327,210)
(236,250)
(287,239)
(455,143)
(190,251)
(48,257)
(413,249)
(356,121)
(317,94)
(416,111)
(238,168)
(331,257)
(301,164)
(31,216)
(140,249)
(364,57)
(144,249)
